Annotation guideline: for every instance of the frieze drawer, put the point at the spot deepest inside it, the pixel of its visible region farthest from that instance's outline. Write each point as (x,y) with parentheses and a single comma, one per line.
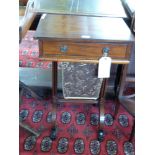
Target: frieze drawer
(93,50)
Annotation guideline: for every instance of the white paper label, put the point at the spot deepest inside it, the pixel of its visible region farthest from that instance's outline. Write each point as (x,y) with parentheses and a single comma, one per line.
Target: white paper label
(104,67)
(43,16)
(85,36)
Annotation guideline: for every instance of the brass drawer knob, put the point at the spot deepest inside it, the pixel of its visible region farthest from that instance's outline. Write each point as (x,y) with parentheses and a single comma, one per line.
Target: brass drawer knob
(106,51)
(64,48)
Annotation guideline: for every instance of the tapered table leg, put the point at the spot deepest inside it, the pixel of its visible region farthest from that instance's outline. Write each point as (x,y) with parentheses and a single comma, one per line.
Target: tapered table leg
(101,109)
(54,100)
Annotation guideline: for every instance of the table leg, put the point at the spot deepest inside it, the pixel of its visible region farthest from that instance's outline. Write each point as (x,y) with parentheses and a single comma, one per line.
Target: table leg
(120,87)
(117,79)
(101,109)
(54,100)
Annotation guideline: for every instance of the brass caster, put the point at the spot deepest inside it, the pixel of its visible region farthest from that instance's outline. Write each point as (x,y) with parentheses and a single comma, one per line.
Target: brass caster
(101,135)
(53,133)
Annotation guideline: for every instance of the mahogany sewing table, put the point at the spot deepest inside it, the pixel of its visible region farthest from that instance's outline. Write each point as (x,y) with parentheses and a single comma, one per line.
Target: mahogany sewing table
(68,38)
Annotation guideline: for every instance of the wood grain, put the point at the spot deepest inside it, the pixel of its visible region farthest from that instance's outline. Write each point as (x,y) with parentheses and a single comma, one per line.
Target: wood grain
(25,23)
(22,10)
(83,28)
(80,59)
(84,49)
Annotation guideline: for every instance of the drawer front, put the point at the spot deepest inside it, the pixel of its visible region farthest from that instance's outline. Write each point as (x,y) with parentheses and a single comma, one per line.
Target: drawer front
(87,50)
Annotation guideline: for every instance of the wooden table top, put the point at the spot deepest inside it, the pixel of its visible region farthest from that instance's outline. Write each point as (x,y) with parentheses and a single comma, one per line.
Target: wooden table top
(83,28)
(110,8)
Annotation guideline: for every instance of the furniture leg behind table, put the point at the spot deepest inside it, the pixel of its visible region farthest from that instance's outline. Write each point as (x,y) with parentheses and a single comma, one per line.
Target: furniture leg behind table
(127,101)
(54,100)
(122,71)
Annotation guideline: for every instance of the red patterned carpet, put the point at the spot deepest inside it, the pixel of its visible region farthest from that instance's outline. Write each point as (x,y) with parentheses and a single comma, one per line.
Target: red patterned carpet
(29,52)
(77,126)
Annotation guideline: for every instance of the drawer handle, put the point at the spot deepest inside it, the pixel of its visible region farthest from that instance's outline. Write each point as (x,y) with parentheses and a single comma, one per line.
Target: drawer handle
(64,48)
(106,51)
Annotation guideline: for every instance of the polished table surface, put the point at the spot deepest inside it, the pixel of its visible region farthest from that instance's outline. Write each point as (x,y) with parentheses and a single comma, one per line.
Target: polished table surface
(110,8)
(83,28)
